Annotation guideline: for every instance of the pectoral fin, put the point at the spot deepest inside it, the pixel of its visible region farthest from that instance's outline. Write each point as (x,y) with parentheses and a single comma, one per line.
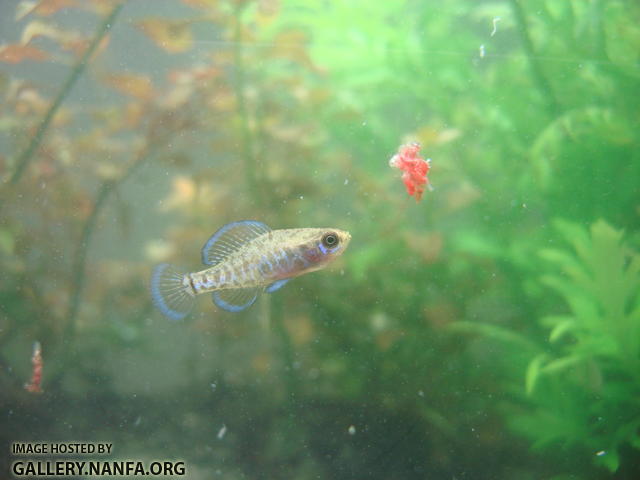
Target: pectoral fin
(277,285)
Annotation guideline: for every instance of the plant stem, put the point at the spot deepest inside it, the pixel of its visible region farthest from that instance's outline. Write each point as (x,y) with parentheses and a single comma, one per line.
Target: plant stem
(538,73)
(239,89)
(289,375)
(26,156)
(78,273)
(107,188)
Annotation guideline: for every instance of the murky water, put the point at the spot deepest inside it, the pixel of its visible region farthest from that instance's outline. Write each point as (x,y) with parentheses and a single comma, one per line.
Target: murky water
(485,328)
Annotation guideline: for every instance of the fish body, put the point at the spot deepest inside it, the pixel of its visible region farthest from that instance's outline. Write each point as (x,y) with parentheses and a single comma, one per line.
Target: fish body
(246,258)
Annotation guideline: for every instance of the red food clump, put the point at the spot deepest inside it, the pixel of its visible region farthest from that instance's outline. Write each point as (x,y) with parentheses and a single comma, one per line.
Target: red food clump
(414,167)
(36,376)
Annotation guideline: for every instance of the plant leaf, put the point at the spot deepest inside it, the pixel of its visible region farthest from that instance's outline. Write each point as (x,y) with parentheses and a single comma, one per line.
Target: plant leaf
(561,328)
(136,86)
(495,332)
(174,36)
(49,7)
(610,460)
(559,364)
(15,53)
(533,372)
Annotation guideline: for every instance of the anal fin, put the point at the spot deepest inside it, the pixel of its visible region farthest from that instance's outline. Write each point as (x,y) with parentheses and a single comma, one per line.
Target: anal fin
(236,299)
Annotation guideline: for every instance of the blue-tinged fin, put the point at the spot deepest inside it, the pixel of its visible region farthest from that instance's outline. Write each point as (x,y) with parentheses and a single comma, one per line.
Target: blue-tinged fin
(168,292)
(277,285)
(230,238)
(236,299)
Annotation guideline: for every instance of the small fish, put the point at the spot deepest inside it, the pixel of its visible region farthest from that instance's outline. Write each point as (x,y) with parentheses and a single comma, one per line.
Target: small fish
(246,258)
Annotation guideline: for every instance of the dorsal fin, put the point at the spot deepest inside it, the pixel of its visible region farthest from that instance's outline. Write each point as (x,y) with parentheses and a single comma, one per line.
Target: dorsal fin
(230,238)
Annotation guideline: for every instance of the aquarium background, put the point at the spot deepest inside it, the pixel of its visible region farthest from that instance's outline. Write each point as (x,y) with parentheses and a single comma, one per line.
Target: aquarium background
(490,331)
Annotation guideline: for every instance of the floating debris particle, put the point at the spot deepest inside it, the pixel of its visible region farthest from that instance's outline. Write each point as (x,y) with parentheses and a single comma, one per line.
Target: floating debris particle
(601,453)
(482,51)
(352,430)
(495,25)
(222,432)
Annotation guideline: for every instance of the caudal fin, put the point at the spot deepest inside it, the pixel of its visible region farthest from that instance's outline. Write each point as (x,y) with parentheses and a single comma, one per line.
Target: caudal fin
(169,293)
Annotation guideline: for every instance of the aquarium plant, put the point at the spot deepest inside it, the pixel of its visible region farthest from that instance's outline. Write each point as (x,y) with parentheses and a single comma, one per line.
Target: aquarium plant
(580,391)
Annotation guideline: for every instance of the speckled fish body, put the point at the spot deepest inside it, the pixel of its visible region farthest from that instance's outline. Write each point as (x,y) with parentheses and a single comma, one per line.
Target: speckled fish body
(272,256)
(246,258)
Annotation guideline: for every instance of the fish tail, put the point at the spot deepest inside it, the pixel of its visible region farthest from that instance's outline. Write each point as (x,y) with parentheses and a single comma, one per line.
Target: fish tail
(169,293)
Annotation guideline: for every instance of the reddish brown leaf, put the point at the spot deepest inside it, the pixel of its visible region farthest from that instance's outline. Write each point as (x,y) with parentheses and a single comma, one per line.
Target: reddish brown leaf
(65,38)
(101,7)
(269,8)
(136,86)
(17,53)
(201,3)
(49,7)
(292,44)
(42,7)
(174,36)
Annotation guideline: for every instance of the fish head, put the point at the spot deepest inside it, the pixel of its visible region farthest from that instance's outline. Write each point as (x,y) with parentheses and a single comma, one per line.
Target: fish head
(320,246)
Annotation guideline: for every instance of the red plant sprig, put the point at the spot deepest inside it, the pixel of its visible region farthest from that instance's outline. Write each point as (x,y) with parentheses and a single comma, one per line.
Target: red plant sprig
(36,376)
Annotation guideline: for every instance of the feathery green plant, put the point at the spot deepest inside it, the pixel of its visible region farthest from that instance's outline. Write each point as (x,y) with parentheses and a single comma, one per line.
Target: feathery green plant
(582,383)
(586,389)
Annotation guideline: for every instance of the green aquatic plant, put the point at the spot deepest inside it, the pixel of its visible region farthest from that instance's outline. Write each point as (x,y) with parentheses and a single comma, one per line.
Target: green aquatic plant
(582,377)
(586,387)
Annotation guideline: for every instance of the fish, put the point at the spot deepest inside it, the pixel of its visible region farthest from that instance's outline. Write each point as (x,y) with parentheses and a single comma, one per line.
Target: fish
(244,259)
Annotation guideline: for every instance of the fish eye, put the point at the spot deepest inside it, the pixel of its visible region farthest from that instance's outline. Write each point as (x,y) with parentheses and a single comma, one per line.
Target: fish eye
(330,240)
